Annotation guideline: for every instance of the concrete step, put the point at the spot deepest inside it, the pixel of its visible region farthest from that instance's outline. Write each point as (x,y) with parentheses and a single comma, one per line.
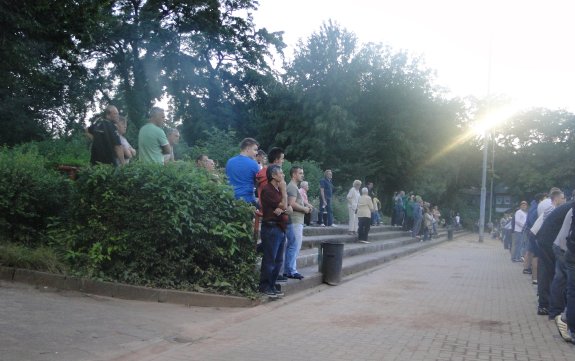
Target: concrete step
(377,235)
(308,257)
(342,229)
(358,258)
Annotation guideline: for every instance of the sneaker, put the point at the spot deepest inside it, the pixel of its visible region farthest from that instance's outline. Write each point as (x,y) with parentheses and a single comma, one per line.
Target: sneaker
(534,282)
(365,242)
(563,329)
(282,279)
(278,290)
(542,311)
(333,225)
(527,271)
(296,276)
(270,293)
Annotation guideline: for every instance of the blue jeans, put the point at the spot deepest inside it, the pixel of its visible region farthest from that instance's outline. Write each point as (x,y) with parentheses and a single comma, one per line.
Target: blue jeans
(416,227)
(570,270)
(557,299)
(294,239)
(517,245)
(273,241)
(325,215)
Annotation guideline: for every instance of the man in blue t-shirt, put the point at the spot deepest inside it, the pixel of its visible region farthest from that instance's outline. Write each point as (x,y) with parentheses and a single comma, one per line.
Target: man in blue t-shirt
(241,171)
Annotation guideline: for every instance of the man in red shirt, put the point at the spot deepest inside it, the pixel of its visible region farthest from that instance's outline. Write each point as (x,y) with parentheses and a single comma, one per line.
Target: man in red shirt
(274,208)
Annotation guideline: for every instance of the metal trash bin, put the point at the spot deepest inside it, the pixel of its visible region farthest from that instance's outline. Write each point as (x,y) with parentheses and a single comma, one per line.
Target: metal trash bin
(449,233)
(330,261)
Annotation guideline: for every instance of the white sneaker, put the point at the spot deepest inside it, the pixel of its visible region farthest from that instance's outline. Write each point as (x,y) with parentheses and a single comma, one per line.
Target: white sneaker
(563,329)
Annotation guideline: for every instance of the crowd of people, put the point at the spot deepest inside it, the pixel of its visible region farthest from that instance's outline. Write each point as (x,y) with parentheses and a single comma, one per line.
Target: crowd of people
(541,236)
(282,206)
(109,145)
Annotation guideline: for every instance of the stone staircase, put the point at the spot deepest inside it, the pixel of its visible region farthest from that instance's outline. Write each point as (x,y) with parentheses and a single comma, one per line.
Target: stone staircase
(387,243)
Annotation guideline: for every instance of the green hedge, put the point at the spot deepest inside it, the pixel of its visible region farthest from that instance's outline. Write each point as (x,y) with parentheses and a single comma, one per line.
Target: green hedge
(159,226)
(31,194)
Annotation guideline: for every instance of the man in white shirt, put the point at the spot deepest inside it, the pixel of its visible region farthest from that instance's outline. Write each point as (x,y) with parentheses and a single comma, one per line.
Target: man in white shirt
(520,219)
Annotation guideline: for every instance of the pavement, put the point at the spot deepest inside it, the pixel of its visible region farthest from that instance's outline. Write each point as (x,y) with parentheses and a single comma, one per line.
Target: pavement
(460,300)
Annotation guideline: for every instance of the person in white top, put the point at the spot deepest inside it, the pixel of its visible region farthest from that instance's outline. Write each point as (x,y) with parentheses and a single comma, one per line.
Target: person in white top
(352,199)
(520,219)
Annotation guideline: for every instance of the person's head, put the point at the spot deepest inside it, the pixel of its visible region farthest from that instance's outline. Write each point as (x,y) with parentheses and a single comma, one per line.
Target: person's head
(328,174)
(523,205)
(122,125)
(111,113)
(173,136)
(249,147)
(210,165)
(262,157)
(274,174)
(539,197)
(356,184)
(201,161)
(276,156)
(364,191)
(296,174)
(304,185)
(370,185)
(401,193)
(418,199)
(557,197)
(157,116)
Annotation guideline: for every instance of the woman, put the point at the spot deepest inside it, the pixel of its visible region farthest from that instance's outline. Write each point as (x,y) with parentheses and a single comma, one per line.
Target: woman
(303,188)
(352,199)
(364,209)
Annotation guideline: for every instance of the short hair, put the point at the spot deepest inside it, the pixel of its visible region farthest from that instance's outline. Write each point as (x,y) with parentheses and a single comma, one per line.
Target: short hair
(304,184)
(248,142)
(556,193)
(262,153)
(325,171)
(170,131)
(356,182)
(155,111)
(122,120)
(108,109)
(275,154)
(200,158)
(294,170)
(364,190)
(272,169)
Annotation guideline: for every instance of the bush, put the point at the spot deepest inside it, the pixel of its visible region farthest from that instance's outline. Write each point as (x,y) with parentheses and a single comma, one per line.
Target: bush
(160,226)
(31,193)
(40,259)
(73,151)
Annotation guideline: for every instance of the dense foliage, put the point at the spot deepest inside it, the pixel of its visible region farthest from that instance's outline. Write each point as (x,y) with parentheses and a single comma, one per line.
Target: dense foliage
(31,192)
(171,226)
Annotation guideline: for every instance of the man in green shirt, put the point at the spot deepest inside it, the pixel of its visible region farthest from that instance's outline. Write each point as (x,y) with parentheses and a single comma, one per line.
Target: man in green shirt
(152,141)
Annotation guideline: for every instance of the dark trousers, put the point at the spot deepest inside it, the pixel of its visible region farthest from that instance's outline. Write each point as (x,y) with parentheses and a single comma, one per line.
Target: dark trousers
(325,214)
(545,274)
(307,219)
(273,242)
(364,223)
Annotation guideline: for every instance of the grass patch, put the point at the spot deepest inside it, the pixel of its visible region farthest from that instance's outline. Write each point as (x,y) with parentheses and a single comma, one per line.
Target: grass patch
(38,259)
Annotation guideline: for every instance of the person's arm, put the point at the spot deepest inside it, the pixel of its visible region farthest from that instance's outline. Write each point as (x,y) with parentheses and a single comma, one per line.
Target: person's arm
(166,149)
(322,193)
(295,206)
(370,204)
(119,149)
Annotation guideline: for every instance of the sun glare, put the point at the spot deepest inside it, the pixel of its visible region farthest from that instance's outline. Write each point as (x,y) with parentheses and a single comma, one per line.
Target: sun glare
(493,119)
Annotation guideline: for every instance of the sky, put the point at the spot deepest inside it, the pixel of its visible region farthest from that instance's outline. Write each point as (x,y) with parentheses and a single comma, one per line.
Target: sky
(522,49)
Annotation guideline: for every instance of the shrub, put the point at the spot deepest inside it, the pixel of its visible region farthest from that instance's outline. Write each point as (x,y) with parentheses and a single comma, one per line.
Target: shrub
(160,226)
(40,259)
(74,151)
(30,194)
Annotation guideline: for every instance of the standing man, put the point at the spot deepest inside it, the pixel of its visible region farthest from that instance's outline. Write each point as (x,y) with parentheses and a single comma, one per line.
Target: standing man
(295,225)
(173,139)
(106,143)
(274,225)
(520,220)
(241,171)
(152,141)
(275,156)
(325,215)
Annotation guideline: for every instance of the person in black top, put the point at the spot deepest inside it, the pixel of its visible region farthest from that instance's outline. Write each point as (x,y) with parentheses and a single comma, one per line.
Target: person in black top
(106,143)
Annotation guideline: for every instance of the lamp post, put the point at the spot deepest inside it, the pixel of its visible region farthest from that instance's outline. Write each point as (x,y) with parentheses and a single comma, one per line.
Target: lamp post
(483,188)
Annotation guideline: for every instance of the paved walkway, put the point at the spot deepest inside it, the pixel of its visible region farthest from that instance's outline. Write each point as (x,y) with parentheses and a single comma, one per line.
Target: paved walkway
(459,301)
